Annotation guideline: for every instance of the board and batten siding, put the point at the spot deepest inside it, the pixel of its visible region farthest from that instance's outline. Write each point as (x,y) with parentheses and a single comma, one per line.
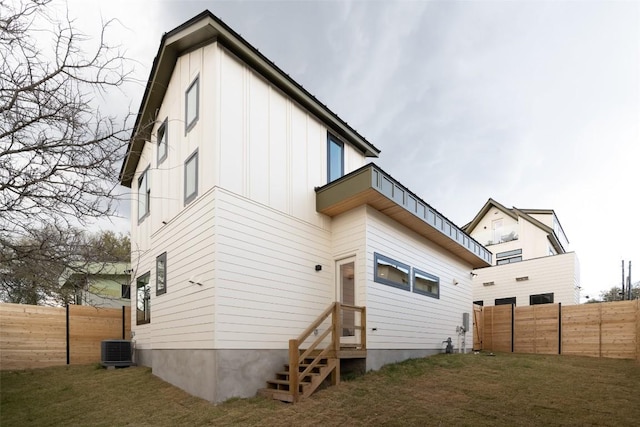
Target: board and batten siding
(183,316)
(271,150)
(267,288)
(557,274)
(405,319)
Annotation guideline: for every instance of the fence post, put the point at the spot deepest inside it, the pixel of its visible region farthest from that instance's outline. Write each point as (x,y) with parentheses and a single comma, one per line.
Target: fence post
(513,322)
(559,328)
(68,348)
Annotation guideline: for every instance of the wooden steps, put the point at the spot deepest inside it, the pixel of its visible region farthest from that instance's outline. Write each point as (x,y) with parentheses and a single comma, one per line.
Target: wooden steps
(308,368)
(280,387)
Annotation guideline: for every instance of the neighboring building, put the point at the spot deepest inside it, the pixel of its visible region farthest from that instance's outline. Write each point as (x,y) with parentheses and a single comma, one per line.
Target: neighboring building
(531,264)
(255,210)
(99,284)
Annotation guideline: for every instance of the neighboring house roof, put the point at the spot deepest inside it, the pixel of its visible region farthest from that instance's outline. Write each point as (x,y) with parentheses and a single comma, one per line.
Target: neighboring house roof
(93,269)
(197,32)
(515,213)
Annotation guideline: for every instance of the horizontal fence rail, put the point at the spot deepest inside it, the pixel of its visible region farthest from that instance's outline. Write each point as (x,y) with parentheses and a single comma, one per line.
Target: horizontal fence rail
(598,330)
(36,337)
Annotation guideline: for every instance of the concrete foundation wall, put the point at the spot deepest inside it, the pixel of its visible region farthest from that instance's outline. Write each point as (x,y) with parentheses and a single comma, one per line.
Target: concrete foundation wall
(215,375)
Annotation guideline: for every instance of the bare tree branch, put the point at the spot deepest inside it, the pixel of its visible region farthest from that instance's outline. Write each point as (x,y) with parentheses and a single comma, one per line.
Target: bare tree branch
(59,153)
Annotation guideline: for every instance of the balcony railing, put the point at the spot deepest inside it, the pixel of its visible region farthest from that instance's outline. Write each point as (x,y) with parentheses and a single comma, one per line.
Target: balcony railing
(500,235)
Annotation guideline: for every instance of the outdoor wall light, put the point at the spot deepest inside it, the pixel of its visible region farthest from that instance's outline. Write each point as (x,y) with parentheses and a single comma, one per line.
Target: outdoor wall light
(318,267)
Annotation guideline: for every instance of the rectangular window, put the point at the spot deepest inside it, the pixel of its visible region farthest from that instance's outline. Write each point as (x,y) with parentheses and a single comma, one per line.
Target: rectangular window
(509,257)
(191,178)
(144,195)
(390,272)
(541,299)
(192,101)
(335,159)
(505,301)
(143,300)
(125,292)
(426,284)
(162,142)
(161,274)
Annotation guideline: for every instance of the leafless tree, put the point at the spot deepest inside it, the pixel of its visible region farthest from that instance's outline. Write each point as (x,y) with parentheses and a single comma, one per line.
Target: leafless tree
(59,154)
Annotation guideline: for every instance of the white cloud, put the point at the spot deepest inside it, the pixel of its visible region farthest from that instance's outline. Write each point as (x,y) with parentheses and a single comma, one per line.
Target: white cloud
(535,104)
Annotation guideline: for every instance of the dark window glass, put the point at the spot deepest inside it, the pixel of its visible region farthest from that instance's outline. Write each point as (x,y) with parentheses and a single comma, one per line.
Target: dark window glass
(143,299)
(505,301)
(161,274)
(541,299)
(391,272)
(426,284)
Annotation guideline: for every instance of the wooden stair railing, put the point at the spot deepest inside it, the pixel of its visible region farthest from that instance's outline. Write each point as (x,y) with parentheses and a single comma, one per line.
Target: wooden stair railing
(308,368)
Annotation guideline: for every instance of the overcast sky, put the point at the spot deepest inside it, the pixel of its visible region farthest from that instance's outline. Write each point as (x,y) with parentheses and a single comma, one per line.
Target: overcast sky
(534,104)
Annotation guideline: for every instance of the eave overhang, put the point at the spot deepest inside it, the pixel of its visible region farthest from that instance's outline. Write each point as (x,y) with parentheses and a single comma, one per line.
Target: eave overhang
(371,186)
(201,30)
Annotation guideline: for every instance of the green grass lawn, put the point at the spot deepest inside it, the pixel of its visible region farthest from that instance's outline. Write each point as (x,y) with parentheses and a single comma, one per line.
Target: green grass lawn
(451,390)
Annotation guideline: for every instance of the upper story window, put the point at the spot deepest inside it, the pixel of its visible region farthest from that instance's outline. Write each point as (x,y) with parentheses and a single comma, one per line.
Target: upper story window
(144,194)
(162,142)
(191,178)
(335,158)
(192,101)
(509,257)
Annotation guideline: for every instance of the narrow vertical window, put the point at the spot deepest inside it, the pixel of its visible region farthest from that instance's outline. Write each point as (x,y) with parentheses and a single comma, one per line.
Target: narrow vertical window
(192,100)
(162,142)
(161,274)
(144,195)
(335,159)
(191,178)
(143,300)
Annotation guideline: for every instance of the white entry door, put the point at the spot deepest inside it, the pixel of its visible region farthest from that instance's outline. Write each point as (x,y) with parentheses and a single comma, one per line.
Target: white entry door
(346,294)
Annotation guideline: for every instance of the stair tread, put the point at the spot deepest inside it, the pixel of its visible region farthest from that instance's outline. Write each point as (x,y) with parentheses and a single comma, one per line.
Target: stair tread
(286,382)
(289,373)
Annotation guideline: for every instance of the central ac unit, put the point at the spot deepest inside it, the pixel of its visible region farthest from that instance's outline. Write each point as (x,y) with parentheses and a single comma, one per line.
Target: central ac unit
(116,353)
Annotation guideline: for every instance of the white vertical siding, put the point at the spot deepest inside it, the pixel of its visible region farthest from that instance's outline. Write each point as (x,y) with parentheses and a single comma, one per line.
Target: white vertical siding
(267,289)
(271,149)
(408,320)
(556,274)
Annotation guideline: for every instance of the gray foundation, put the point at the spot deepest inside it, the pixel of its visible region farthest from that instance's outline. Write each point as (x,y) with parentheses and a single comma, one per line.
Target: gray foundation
(215,375)
(218,375)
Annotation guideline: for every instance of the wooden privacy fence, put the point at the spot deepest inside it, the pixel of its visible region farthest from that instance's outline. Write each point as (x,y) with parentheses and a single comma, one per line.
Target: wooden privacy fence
(36,337)
(599,330)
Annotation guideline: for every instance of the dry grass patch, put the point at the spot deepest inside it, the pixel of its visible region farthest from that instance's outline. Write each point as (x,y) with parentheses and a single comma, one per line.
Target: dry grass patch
(446,389)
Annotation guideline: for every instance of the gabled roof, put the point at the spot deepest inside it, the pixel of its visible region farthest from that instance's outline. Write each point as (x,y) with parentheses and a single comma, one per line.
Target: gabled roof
(515,213)
(199,31)
(94,269)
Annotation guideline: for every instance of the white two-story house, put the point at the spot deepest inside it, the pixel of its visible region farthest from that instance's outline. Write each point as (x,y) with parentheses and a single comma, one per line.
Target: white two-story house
(255,210)
(530,262)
